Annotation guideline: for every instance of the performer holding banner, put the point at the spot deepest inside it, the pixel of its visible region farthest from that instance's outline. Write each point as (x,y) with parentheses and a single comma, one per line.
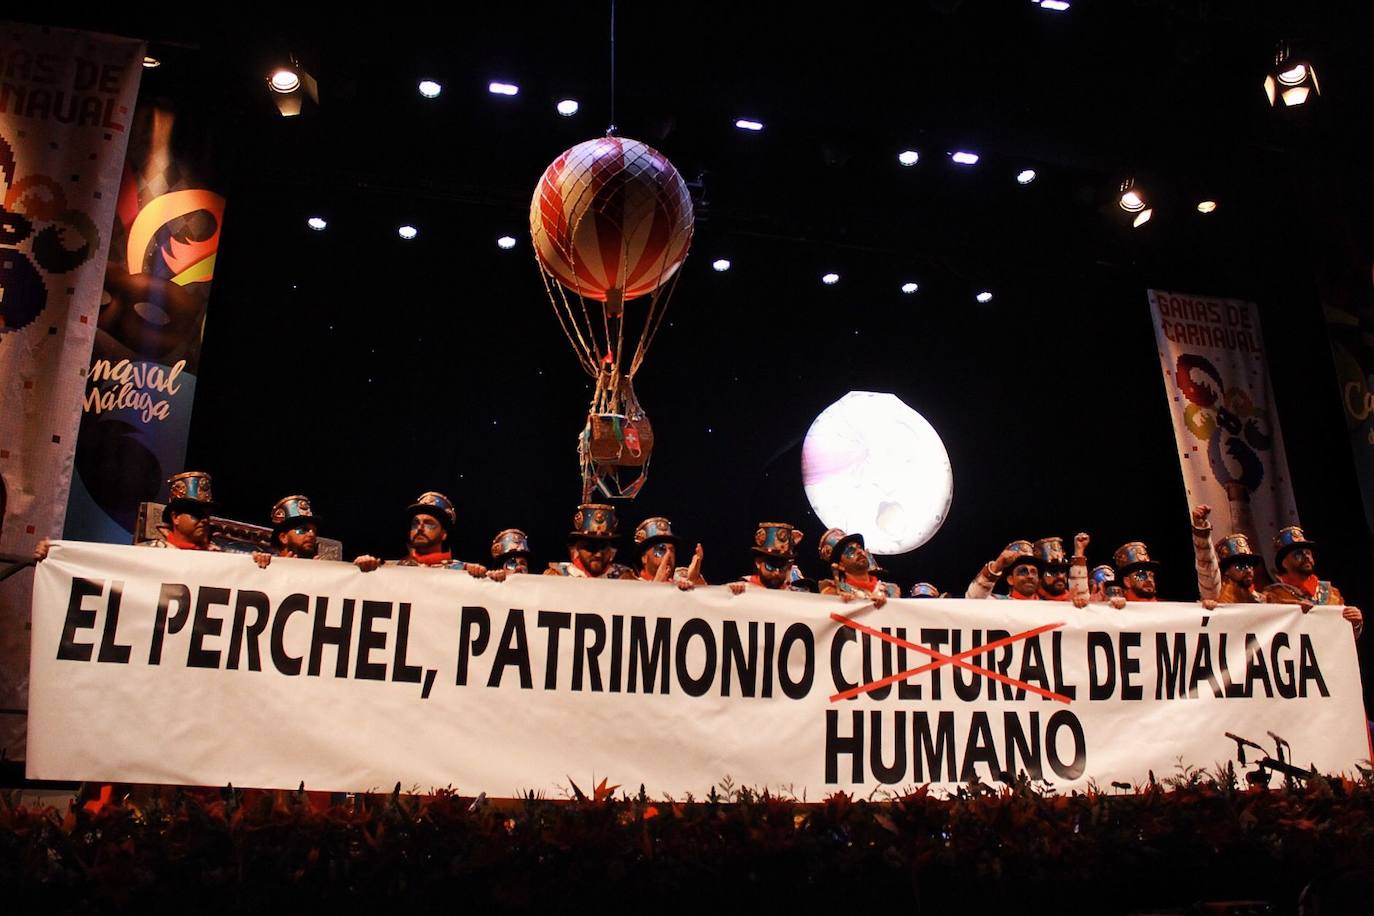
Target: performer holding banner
(1216,378)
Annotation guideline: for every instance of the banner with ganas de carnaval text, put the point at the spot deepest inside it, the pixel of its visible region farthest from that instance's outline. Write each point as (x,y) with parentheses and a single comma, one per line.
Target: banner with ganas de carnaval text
(166,666)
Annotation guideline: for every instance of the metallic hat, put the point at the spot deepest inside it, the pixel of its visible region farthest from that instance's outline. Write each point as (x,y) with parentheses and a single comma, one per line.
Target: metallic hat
(1288,540)
(510,543)
(1050,552)
(797,581)
(1026,553)
(436,504)
(776,539)
(291,511)
(923,590)
(834,541)
(656,530)
(1131,556)
(595,522)
(1102,576)
(1232,549)
(188,491)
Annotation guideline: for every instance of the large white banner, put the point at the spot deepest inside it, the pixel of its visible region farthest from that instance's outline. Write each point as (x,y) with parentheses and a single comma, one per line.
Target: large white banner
(193,668)
(65,104)
(1216,377)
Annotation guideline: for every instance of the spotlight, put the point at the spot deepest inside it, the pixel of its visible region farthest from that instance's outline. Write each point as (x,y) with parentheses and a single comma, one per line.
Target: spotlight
(1057,6)
(964,157)
(746,124)
(830,279)
(430,89)
(496,88)
(568,107)
(1290,80)
(505,243)
(407,232)
(984,297)
(149,62)
(908,157)
(1025,176)
(317,223)
(720,265)
(1206,206)
(1142,218)
(1132,199)
(291,86)
(909,288)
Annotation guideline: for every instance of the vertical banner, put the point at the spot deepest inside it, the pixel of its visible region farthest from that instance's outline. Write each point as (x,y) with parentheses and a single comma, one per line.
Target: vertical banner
(66,99)
(1230,448)
(1350,326)
(141,385)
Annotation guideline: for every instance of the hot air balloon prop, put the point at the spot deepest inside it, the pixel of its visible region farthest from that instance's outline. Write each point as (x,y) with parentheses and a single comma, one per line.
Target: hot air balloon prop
(611,221)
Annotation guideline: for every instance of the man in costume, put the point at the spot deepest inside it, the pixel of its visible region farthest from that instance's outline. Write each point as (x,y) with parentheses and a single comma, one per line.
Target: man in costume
(591,546)
(1105,589)
(775,558)
(510,550)
(924,590)
(657,547)
(1137,571)
(1297,579)
(852,570)
(1060,579)
(295,531)
(185,518)
(1022,569)
(1226,573)
(432,520)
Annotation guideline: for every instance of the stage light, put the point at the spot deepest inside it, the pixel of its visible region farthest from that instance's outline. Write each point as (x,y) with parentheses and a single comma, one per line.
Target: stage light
(1206,206)
(317,223)
(1293,81)
(1132,199)
(1057,6)
(909,288)
(908,157)
(830,279)
(430,89)
(873,466)
(496,88)
(1025,176)
(984,297)
(964,157)
(284,80)
(568,107)
(1142,218)
(746,124)
(720,265)
(505,242)
(407,232)
(149,62)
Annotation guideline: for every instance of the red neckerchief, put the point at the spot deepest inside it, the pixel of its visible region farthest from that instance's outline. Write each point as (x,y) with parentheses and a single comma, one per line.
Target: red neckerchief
(644,574)
(180,543)
(869,585)
(578,563)
(1132,595)
(1308,584)
(1017,596)
(1045,596)
(437,558)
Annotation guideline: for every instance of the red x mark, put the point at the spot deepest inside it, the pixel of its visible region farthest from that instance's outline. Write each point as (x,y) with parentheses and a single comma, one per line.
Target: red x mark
(941,659)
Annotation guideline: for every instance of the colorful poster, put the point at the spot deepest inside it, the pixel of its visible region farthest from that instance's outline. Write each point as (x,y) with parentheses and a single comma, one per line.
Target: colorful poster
(1216,377)
(136,414)
(66,101)
(182,667)
(1350,325)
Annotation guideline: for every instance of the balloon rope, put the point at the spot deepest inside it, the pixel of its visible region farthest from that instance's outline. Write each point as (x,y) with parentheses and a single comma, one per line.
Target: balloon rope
(579,345)
(611,129)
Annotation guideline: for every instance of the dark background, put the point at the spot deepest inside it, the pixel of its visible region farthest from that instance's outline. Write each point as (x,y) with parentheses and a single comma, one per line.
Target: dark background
(361,369)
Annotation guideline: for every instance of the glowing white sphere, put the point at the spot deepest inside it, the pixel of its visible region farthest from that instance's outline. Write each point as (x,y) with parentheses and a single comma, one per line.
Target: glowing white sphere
(908,157)
(505,242)
(568,107)
(720,265)
(872,465)
(430,89)
(407,232)
(318,223)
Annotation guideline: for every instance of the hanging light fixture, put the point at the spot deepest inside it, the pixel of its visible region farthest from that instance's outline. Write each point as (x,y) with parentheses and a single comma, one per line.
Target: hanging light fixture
(1291,80)
(1132,198)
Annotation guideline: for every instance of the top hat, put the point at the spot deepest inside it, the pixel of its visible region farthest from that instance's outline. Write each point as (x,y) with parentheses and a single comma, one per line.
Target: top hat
(1288,540)
(436,504)
(776,539)
(510,543)
(1102,576)
(594,522)
(189,491)
(656,530)
(923,590)
(291,511)
(833,543)
(1232,549)
(1133,556)
(1026,554)
(1050,552)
